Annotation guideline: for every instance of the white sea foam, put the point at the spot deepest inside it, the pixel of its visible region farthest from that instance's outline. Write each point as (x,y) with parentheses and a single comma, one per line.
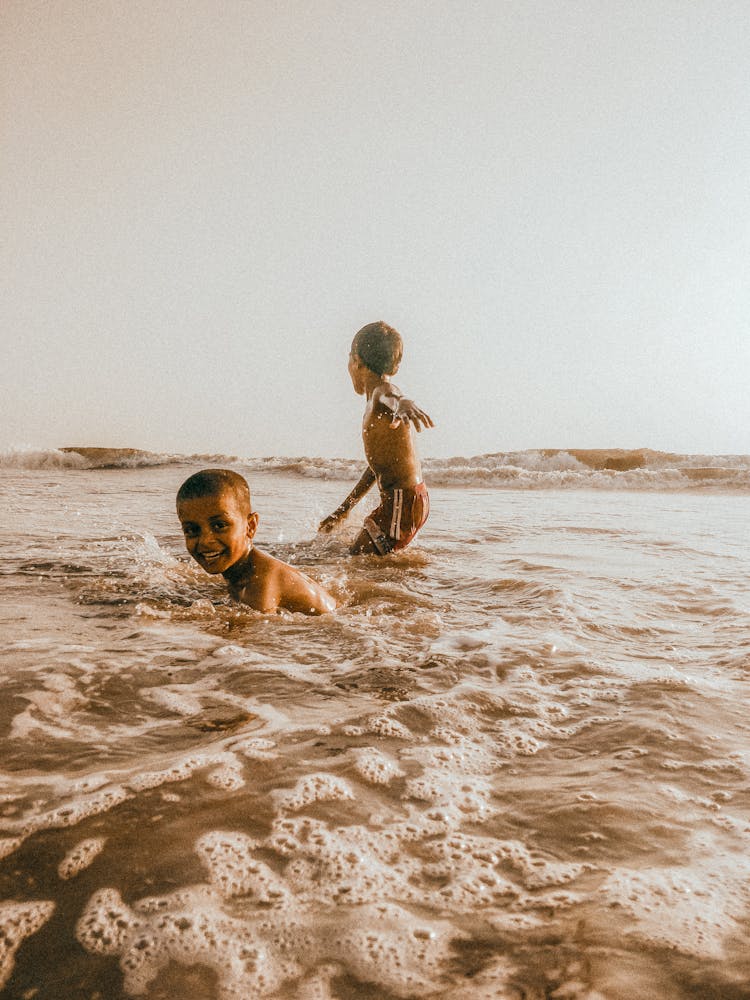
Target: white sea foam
(19,920)
(253,957)
(228,775)
(224,770)
(80,857)
(72,812)
(375,766)
(691,910)
(314,788)
(235,872)
(256,927)
(8,845)
(255,748)
(28,457)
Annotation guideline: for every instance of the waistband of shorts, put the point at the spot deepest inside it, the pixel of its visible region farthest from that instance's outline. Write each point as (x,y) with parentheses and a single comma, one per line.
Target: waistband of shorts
(418,489)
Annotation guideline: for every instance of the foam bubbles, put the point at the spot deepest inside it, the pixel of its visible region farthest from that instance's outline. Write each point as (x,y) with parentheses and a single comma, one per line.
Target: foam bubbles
(254,953)
(188,927)
(687,909)
(310,900)
(80,857)
(382,725)
(235,872)
(388,946)
(376,767)
(319,787)
(178,771)
(175,699)
(8,845)
(17,922)
(255,748)
(228,775)
(72,812)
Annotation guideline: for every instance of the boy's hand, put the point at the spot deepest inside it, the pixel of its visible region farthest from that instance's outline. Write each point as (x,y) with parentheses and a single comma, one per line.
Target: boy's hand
(365,482)
(330,522)
(408,412)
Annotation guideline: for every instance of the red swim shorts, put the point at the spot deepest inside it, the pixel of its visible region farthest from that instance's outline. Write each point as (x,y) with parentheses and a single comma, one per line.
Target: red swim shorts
(401,514)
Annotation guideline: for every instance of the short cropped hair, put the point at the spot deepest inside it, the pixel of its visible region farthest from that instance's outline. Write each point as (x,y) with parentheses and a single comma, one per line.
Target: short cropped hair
(379,347)
(212,482)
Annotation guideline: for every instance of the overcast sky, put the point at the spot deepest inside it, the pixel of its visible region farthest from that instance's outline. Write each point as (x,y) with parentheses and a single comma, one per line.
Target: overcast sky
(203,200)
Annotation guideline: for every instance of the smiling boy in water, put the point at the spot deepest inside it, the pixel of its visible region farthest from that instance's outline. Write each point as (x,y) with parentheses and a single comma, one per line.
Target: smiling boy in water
(392,460)
(219,526)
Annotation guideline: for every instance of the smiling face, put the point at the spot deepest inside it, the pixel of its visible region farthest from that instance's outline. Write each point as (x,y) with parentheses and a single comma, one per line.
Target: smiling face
(218,529)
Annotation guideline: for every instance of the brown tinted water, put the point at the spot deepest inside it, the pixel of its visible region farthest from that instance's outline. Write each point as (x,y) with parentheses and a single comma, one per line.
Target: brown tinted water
(513,765)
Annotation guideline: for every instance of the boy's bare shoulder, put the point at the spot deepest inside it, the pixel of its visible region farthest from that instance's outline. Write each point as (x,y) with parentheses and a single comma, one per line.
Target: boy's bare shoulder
(270,584)
(386,389)
(385,397)
(294,590)
(388,399)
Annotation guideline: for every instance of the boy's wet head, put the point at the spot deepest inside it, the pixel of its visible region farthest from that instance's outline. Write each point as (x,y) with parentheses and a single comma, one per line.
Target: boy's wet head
(213,482)
(216,517)
(379,347)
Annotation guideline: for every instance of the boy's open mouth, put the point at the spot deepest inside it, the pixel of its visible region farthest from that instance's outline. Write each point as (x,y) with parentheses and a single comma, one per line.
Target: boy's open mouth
(211,557)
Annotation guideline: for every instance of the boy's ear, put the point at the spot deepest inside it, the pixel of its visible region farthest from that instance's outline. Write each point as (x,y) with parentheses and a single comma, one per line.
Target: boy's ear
(252,524)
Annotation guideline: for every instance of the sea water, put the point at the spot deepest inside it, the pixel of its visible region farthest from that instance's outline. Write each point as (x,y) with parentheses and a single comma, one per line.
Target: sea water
(513,764)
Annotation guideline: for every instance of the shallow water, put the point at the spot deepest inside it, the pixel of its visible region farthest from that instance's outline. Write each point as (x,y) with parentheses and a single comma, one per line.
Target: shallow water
(513,765)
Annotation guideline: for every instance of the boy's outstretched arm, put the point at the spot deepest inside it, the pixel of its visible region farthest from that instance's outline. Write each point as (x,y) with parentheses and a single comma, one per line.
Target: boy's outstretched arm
(366,480)
(403,409)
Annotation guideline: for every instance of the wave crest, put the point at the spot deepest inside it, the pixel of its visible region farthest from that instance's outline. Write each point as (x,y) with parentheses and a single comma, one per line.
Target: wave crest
(24,457)
(546,468)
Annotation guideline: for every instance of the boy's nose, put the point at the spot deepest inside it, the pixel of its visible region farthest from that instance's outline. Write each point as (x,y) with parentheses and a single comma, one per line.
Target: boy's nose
(205,539)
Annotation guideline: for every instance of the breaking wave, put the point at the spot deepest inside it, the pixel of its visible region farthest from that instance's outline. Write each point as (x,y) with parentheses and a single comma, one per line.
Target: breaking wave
(547,468)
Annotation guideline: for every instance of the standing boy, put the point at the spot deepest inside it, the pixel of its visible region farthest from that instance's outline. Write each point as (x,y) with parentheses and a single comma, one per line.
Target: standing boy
(392,460)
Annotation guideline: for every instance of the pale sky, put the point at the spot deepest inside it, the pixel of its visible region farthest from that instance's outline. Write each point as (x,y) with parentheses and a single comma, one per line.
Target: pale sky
(202,201)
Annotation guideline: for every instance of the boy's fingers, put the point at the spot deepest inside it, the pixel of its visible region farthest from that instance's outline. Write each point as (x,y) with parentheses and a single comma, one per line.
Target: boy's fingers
(413,416)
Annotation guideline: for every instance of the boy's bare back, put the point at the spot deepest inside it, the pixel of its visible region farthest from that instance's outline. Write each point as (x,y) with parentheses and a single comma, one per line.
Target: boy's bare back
(390,450)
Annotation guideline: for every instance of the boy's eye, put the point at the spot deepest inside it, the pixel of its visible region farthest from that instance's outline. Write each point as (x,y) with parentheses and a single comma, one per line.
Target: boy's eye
(189,531)
(219,525)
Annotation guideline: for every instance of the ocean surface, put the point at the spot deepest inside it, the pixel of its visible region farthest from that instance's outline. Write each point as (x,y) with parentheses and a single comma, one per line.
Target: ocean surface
(514,765)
